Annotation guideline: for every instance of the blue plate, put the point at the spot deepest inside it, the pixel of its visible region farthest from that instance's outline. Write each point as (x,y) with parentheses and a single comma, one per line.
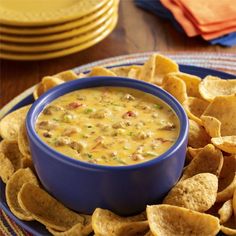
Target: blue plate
(38,229)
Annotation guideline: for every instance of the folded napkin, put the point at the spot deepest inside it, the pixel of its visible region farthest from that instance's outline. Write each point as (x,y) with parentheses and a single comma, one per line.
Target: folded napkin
(182,23)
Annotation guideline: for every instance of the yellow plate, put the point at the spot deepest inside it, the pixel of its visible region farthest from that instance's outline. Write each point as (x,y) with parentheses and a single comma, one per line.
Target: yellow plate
(57,28)
(36,48)
(60,36)
(50,55)
(45,12)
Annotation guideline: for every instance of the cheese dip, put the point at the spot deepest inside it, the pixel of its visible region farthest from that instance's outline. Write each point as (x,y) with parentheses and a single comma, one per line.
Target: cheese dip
(113,126)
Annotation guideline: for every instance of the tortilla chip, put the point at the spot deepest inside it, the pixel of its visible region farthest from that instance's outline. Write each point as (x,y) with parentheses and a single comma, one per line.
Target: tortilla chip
(227,230)
(13,186)
(227,179)
(50,82)
(163,66)
(176,87)
(197,193)
(66,75)
(197,137)
(171,220)
(208,160)
(76,230)
(38,90)
(223,108)
(124,71)
(211,125)
(27,162)
(226,211)
(195,108)
(192,83)
(149,233)
(23,142)
(105,222)
(192,152)
(134,73)
(46,209)
(211,88)
(226,143)
(234,202)
(7,169)
(10,124)
(11,151)
(101,71)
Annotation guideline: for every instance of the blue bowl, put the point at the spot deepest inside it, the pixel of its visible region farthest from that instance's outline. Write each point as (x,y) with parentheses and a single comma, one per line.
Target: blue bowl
(83,186)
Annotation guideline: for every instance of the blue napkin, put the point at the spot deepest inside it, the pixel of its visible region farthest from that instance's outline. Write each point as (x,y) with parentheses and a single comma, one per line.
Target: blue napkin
(158,9)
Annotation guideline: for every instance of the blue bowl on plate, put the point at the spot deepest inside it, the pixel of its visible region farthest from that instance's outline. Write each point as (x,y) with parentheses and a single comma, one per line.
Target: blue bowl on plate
(83,186)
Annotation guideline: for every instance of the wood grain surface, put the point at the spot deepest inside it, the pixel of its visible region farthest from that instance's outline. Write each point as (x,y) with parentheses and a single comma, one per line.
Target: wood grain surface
(137,31)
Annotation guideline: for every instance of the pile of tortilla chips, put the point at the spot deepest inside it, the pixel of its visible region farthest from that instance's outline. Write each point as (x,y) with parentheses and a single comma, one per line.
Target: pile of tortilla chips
(203,202)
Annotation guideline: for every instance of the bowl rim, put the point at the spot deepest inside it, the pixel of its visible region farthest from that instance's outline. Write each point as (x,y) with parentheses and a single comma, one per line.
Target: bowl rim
(98,81)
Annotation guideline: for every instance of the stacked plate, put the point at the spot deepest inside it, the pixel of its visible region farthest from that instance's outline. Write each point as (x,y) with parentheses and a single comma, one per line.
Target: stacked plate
(42,29)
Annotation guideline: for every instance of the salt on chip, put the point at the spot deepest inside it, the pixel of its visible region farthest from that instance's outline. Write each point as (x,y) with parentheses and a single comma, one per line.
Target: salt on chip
(23,142)
(225,143)
(227,179)
(223,108)
(101,71)
(13,186)
(171,220)
(197,193)
(211,125)
(46,209)
(10,124)
(211,88)
(176,87)
(226,211)
(208,160)
(195,108)
(105,223)
(192,83)
(197,137)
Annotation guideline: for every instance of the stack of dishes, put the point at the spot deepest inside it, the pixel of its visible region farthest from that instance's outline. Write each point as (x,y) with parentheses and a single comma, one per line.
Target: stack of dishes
(37,30)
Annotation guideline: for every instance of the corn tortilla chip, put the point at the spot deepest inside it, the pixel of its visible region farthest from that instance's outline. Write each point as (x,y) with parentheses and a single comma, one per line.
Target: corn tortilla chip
(197,137)
(225,143)
(66,75)
(13,186)
(192,152)
(134,73)
(234,202)
(171,220)
(227,230)
(105,222)
(7,169)
(195,108)
(223,108)
(49,82)
(46,209)
(211,88)
(23,142)
(11,151)
(176,87)
(192,83)
(38,90)
(123,71)
(208,160)
(10,124)
(211,125)
(227,179)
(101,71)
(197,193)
(229,227)
(226,211)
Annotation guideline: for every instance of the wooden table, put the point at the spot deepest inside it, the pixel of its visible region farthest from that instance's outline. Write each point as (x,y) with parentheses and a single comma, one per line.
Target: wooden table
(137,31)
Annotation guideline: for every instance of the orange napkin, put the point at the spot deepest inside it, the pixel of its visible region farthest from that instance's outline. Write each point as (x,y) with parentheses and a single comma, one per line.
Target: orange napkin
(191,25)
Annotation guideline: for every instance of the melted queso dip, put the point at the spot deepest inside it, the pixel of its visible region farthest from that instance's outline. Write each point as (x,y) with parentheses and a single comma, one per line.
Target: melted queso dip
(108,126)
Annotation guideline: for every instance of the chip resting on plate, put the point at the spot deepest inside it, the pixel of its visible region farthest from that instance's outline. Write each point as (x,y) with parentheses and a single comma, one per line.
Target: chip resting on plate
(197,193)
(225,143)
(10,124)
(101,71)
(211,87)
(23,142)
(226,211)
(105,223)
(171,220)
(13,186)
(46,209)
(211,125)
(208,160)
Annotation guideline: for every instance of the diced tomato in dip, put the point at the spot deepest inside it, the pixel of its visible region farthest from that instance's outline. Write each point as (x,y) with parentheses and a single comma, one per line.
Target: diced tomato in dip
(109,126)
